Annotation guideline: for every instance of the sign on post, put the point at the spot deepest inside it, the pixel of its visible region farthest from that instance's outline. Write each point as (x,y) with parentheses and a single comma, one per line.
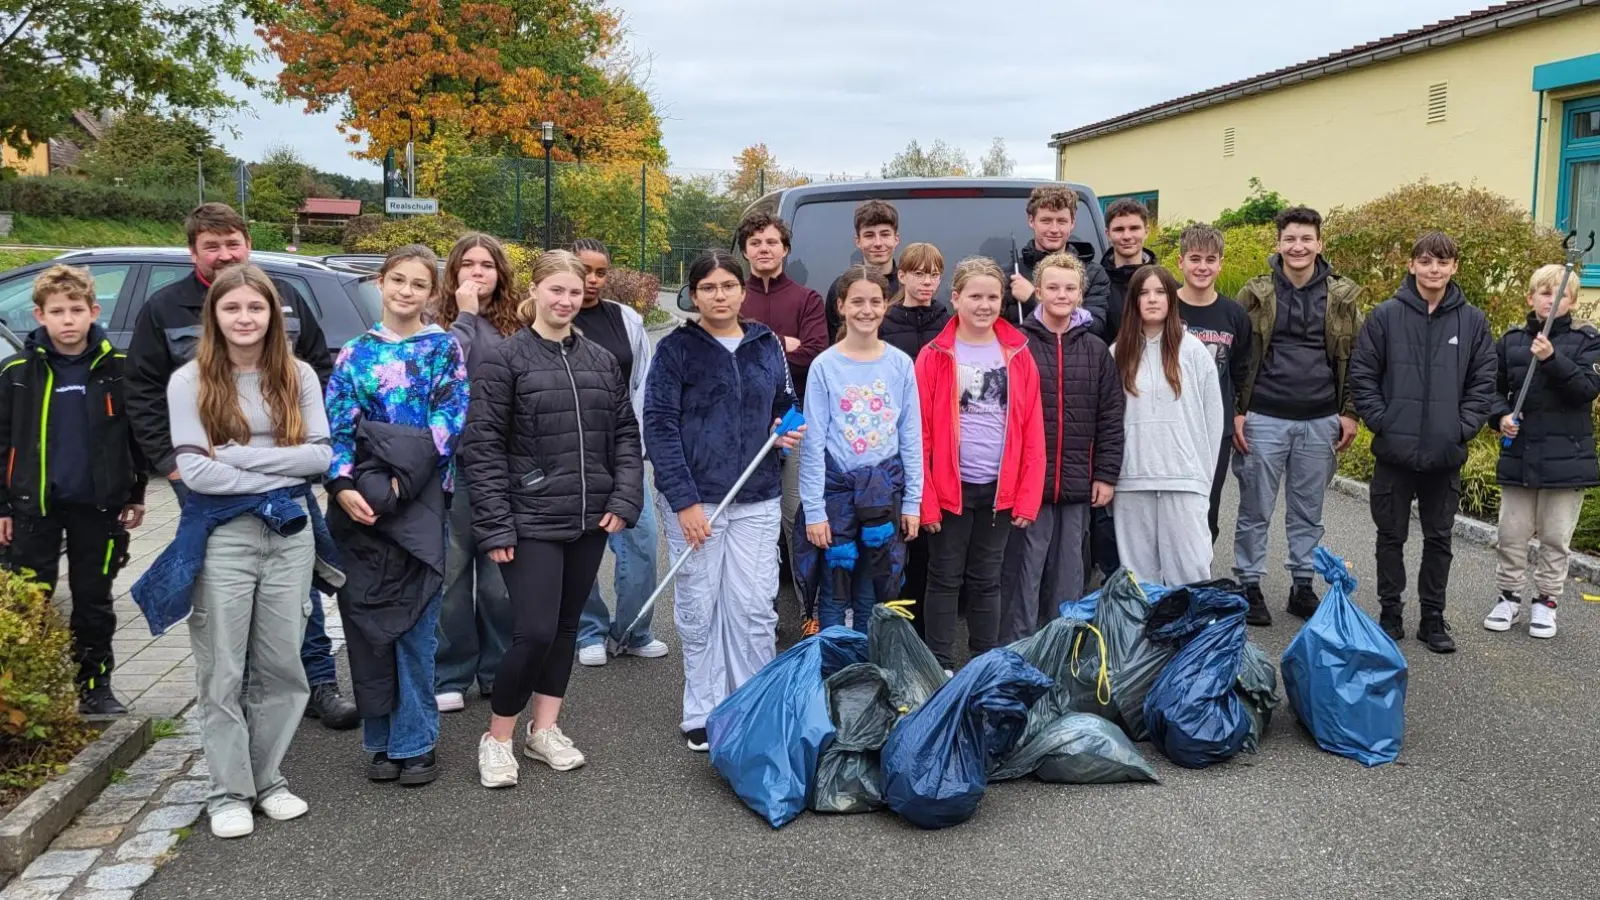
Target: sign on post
(417,206)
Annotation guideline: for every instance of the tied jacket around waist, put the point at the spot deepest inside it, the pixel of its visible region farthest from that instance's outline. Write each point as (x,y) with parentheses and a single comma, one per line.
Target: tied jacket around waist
(394,567)
(1555,446)
(863,508)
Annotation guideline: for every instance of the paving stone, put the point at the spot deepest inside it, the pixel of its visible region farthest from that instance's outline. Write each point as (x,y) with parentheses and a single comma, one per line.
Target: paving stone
(175,654)
(161,761)
(146,666)
(168,688)
(109,812)
(161,706)
(188,791)
(167,818)
(146,845)
(124,877)
(180,743)
(86,837)
(133,684)
(201,768)
(135,787)
(57,863)
(106,895)
(36,889)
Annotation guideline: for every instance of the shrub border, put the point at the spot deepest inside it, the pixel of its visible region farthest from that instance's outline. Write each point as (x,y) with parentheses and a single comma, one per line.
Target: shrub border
(26,831)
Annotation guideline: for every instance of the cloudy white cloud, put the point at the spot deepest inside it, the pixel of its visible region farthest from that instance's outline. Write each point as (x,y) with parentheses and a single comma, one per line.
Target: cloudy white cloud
(842,85)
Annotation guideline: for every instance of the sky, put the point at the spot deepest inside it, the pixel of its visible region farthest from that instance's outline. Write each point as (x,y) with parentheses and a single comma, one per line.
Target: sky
(844,85)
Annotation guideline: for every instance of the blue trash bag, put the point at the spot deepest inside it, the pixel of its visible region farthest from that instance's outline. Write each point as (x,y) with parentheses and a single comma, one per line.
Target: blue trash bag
(1133,659)
(1086,608)
(767,737)
(1194,714)
(1345,678)
(936,761)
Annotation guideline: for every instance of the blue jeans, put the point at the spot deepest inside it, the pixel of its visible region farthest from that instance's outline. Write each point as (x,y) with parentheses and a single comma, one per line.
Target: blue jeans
(316,650)
(412,729)
(830,612)
(635,577)
(476,620)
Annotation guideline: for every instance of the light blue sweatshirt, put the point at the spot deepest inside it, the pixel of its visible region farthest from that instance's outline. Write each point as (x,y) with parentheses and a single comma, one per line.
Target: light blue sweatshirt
(860,413)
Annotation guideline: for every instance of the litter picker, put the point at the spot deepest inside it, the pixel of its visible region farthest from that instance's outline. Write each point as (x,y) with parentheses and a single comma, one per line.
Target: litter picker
(1016,269)
(1574,256)
(792,420)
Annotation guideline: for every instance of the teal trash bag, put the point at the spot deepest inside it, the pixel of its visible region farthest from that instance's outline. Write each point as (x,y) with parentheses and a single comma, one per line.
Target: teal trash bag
(1258,686)
(1080,748)
(893,646)
(849,777)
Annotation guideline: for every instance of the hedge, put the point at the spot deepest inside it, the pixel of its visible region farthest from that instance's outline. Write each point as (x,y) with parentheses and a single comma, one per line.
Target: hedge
(57,196)
(40,729)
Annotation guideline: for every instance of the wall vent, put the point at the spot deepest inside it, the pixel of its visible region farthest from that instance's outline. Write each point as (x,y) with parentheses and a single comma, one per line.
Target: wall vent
(1438,101)
(1229,140)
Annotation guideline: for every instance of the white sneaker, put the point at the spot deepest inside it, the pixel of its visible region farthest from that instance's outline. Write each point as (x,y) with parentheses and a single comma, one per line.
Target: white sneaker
(450,701)
(1543,624)
(233,822)
(497,765)
(552,748)
(1505,614)
(592,655)
(283,806)
(653,650)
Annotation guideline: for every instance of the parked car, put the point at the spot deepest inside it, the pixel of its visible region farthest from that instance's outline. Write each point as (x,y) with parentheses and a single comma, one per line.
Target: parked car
(364,262)
(961,216)
(344,300)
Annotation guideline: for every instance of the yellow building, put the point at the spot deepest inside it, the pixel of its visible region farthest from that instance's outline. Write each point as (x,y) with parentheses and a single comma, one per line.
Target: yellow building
(37,164)
(1506,97)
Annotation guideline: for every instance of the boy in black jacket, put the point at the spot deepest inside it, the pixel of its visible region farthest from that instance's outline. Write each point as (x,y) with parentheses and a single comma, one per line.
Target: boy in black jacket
(1423,380)
(72,466)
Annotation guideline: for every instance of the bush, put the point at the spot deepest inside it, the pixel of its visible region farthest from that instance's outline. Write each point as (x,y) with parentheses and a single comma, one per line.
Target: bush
(1245,252)
(438,232)
(267,236)
(58,196)
(634,289)
(361,227)
(1260,208)
(320,234)
(39,724)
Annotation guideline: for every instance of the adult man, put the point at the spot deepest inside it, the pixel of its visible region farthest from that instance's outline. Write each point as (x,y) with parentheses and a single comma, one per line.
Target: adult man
(166,335)
(1127,225)
(1220,324)
(877,237)
(1423,379)
(1294,413)
(1052,214)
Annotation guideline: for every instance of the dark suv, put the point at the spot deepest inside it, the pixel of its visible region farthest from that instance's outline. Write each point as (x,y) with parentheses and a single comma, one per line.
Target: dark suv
(345,301)
(961,216)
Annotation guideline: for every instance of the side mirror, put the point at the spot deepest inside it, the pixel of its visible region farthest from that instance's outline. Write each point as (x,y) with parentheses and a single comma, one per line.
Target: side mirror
(684,302)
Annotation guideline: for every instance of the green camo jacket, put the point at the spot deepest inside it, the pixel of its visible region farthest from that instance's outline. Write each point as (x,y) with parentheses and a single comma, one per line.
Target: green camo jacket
(1259,297)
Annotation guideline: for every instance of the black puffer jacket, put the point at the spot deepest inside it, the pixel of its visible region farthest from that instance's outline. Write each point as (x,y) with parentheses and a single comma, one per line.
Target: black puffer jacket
(1083,406)
(1424,384)
(1117,280)
(1096,286)
(551,443)
(1555,448)
(909,328)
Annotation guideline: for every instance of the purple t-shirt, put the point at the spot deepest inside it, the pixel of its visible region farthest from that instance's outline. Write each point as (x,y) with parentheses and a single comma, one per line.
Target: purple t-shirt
(981,391)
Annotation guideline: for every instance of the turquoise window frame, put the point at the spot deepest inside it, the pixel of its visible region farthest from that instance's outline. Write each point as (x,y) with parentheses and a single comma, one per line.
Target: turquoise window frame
(1148,198)
(1574,151)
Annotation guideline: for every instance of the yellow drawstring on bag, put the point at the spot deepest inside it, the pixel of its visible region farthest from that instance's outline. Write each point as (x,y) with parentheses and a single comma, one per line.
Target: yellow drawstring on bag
(901,608)
(1103,678)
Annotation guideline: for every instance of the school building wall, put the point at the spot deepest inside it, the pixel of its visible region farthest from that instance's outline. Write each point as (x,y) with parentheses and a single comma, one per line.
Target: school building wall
(37,164)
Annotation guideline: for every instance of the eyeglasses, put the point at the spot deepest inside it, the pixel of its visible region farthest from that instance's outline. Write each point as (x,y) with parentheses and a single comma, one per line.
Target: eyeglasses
(726,289)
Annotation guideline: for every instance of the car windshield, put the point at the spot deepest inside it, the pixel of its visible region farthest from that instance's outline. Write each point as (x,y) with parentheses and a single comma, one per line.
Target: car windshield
(961,226)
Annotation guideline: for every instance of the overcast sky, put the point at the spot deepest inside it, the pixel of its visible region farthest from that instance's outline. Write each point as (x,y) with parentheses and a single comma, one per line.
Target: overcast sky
(841,87)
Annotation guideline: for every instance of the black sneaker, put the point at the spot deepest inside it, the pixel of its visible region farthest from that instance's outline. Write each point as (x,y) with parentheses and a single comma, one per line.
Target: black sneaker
(332,708)
(1390,620)
(697,739)
(1303,601)
(382,768)
(419,769)
(1434,631)
(1257,614)
(99,701)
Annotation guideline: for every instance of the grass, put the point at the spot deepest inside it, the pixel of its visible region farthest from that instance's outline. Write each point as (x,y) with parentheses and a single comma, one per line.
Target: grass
(164,728)
(10,259)
(66,232)
(656,316)
(118,776)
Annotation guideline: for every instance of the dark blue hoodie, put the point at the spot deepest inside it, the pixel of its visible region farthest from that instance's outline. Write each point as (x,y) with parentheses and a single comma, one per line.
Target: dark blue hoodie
(707,411)
(69,442)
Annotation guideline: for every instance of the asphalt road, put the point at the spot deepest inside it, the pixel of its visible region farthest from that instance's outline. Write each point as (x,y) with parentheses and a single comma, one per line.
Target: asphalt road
(1495,795)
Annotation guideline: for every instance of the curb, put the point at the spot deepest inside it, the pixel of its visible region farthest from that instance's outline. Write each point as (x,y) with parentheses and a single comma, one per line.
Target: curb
(1583,567)
(27,830)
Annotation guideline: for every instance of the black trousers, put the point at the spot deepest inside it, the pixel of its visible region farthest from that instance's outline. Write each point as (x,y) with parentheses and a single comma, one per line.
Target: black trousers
(1218,480)
(916,586)
(97,549)
(967,552)
(1103,542)
(1438,495)
(548,582)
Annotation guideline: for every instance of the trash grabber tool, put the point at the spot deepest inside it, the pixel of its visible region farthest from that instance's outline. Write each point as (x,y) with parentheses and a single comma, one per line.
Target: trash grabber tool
(1574,255)
(791,421)
(1016,269)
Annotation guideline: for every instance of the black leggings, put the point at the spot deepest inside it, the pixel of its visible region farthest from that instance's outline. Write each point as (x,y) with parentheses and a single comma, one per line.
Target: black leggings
(548,582)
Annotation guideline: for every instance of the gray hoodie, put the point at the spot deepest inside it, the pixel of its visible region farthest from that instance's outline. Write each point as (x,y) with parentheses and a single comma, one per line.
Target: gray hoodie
(1170,441)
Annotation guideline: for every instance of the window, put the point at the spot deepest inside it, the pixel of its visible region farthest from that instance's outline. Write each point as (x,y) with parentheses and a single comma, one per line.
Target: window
(16,296)
(1150,199)
(1578,194)
(1438,100)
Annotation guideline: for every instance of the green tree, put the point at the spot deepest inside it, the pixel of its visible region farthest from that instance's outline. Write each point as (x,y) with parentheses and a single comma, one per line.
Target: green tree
(700,214)
(280,184)
(58,56)
(368,190)
(602,201)
(1260,208)
(154,150)
(997,163)
(938,160)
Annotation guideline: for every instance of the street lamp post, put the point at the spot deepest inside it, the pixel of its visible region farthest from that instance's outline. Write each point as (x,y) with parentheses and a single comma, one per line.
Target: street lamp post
(547,137)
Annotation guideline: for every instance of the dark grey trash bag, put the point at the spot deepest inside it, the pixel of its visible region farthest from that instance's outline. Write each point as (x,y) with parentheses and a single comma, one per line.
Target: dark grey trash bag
(1086,749)
(1258,685)
(849,779)
(893,646)
(1134,660)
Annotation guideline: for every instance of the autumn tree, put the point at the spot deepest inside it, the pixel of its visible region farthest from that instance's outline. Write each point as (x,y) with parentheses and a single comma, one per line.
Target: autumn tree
(58,56)
(758,171)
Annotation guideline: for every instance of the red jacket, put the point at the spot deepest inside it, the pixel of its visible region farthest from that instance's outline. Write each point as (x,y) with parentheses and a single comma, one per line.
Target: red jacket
(1022,461)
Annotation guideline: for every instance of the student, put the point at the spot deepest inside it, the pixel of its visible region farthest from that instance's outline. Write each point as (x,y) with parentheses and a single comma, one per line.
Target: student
(1083,410)
(877,235)
(714,392)
(1423,380)
(477,307)
(165,335)
(983,452)
(412,378)
(795,314)
(619,331)
(1173,419)
(1052,214)
(1550,460)
(248,433)
(74,469)
(552,448)
(1127,226)
(1295,413)
(1224,328)
(861,474)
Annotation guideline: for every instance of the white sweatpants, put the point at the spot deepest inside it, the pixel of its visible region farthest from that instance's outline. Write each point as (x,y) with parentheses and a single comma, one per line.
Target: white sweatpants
(1163,537)
(723,602)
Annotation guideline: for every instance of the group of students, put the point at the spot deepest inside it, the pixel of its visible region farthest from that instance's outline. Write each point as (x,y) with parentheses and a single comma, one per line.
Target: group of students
(483,446)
